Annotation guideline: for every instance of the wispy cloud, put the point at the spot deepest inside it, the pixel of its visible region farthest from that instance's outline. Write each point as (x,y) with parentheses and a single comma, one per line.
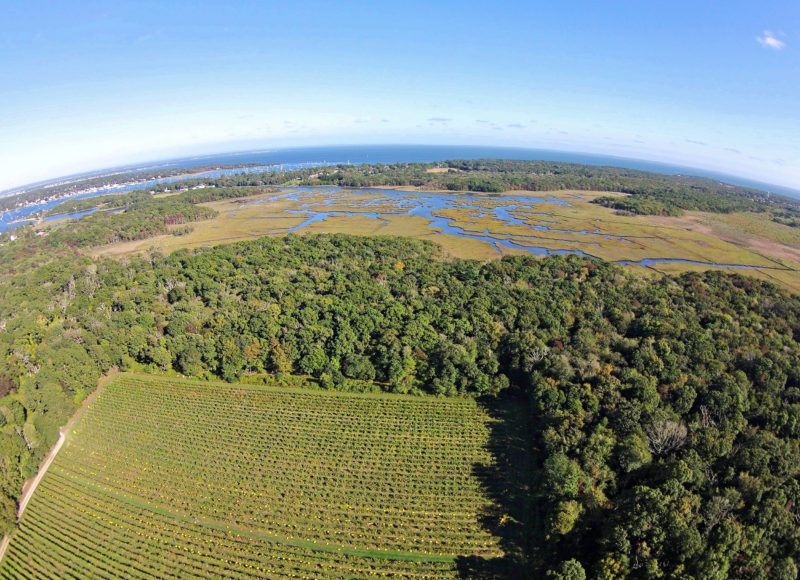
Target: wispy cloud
(439,119)
(695,142)
(769,40)
(515,126)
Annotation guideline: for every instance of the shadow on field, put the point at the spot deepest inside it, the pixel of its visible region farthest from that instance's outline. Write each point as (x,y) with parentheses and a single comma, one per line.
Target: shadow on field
(507,483)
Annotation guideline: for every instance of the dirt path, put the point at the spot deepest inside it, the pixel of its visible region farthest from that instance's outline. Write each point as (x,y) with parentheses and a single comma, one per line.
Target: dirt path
(30,486)
(760,244)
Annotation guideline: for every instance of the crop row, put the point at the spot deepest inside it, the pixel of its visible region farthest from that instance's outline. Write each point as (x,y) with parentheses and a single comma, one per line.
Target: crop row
(316,405)
(213,480)
(352,529)
(151,413)
(344,501)
(280,459)
(107,538)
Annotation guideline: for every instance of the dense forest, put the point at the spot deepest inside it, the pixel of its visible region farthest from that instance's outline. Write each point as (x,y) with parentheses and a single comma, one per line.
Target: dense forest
(124,201)
(120,217)
(664,414)
(141,219)
(650,193)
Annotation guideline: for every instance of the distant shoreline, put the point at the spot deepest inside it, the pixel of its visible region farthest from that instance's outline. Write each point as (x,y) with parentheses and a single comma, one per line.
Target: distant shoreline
(359,154)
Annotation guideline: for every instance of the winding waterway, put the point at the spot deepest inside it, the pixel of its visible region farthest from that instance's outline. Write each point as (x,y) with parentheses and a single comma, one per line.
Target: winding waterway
(389,202)
(316,208)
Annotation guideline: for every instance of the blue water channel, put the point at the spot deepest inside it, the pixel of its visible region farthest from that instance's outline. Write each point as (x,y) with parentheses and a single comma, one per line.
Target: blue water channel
(390,202)
(20,216)
(423,204)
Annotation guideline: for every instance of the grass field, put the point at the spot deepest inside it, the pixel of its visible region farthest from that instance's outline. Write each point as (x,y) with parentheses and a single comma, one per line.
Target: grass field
(173,478)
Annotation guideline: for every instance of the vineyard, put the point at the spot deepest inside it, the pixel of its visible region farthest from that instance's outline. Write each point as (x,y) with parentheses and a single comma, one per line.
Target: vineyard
(171,478)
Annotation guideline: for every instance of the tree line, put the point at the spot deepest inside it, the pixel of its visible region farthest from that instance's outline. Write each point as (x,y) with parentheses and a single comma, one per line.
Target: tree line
(649,192)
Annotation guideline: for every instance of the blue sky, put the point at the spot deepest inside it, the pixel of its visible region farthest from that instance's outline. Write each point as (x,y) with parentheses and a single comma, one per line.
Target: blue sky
(86,85)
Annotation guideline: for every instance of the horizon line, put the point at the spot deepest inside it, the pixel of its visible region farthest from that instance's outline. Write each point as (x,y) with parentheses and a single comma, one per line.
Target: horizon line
(669,168)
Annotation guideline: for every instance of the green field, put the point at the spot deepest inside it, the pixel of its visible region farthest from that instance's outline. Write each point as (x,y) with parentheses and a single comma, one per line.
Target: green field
(172,478)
